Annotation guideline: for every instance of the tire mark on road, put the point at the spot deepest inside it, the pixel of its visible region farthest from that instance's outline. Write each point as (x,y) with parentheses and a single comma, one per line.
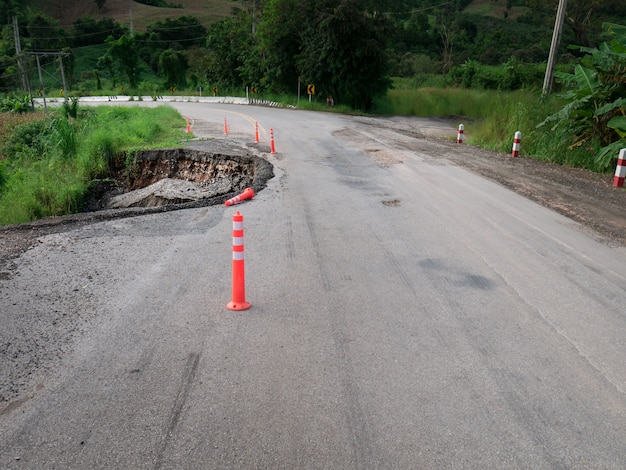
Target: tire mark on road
(291,251)
(361,442)
(181,397)
(316,245)
(355,417)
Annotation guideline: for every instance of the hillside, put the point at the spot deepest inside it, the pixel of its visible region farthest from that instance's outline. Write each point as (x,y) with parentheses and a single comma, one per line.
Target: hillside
(497,9)
(67,11)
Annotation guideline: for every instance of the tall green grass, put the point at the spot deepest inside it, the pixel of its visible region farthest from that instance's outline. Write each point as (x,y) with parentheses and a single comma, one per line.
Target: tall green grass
(431,102)
(48,165)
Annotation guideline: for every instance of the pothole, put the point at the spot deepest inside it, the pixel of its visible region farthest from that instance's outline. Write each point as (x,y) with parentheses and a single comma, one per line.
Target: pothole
(164,177)
(392,203)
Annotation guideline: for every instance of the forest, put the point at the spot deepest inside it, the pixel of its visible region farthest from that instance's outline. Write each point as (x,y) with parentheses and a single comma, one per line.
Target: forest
(350,48)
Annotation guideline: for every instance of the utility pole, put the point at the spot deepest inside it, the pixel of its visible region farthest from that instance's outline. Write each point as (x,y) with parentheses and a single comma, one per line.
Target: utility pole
(18,54)
(63,78)
(43,90)
(556,39)
(130,5)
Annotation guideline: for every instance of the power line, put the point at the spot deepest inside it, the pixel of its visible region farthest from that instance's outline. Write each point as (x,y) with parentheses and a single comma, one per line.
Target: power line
(419,10)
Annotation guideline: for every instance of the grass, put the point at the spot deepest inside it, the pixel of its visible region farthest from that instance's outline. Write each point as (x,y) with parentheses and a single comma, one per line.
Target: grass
(440,102)
(49,162)
(491,119)
(9,121)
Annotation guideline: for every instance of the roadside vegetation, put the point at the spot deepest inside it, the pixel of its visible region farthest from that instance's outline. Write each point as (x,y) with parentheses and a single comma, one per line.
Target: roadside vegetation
(49,163)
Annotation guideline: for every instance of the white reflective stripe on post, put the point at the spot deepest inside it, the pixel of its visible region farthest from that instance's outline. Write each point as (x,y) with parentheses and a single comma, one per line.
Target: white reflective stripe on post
(237,255)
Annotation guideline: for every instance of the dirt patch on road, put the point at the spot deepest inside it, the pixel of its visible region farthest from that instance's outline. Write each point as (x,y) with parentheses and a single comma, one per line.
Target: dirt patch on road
(586,197)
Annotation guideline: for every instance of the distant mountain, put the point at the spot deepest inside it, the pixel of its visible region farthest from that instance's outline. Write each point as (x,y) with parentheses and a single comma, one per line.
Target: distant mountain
(67,11)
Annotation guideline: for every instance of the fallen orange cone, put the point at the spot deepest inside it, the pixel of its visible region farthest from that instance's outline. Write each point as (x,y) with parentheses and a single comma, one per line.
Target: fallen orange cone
(248,193)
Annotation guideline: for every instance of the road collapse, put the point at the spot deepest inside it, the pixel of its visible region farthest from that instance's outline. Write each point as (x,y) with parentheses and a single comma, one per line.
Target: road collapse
(209,174)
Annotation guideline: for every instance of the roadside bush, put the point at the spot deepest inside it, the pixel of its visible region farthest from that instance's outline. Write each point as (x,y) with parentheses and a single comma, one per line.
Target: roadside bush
(28,140)
(510,76)
(16,104)
(49,170)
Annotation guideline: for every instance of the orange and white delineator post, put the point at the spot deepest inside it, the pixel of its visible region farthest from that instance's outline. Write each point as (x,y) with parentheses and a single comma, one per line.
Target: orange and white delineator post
(225,127)
(620,170)
(459,136)
(256,132)
(272,147)
(248,193)
(238,301)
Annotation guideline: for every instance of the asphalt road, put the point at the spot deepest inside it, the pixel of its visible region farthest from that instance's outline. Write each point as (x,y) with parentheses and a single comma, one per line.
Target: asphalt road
(405,313)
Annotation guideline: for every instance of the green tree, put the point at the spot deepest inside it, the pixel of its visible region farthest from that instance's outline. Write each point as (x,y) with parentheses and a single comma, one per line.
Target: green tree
(88,31)
(173,67)
(45,34)
(229,44)
(8,9)
(338,46)
(343,52)
(183,32)
(124,52)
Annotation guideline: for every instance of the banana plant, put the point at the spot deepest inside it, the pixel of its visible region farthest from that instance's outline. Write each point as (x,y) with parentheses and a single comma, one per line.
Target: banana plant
(596,99)
(16,104)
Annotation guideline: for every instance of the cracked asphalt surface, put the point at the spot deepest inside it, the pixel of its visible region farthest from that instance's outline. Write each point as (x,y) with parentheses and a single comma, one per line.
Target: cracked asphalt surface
(60,276)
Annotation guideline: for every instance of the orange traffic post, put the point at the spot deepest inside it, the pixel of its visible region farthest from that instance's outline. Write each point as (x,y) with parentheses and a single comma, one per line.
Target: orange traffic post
(238,301)
(188,127)
(272,147)
(256,132)
(225,127)
(248,193)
